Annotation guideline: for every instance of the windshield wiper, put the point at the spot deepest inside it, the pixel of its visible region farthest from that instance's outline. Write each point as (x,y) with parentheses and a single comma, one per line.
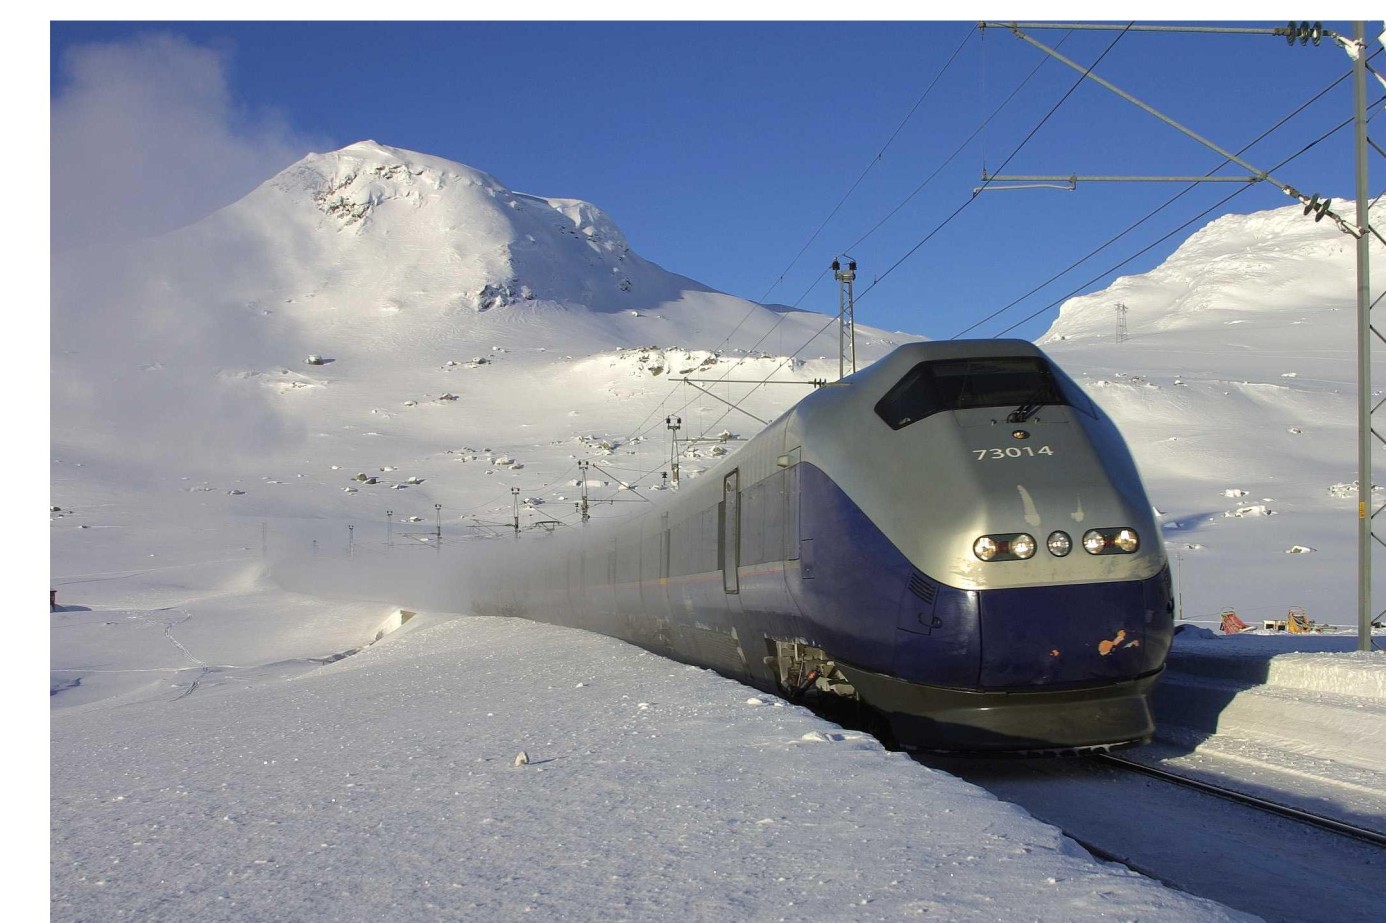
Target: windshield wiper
(1025,411)
(1044,394)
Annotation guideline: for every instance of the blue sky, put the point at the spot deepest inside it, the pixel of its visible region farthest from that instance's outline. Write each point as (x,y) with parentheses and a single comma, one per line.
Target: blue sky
(722,148)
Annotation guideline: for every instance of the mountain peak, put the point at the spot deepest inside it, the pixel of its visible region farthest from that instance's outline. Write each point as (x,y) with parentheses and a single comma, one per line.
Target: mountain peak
(452,221)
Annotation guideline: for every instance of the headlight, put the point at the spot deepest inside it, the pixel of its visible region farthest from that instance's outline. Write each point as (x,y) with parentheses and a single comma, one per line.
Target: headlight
(1059,544)
(1111,541)
(1009,546)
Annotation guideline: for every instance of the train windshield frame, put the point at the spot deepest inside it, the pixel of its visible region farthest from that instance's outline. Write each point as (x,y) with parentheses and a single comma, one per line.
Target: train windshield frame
(938,385)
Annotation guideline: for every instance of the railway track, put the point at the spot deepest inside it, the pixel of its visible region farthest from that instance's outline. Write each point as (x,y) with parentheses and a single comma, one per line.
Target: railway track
(1283,864)
(1362,834)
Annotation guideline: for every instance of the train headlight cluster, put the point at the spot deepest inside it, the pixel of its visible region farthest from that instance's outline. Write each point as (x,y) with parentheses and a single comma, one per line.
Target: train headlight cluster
(1111,541)
(1013,546)
(1019,546)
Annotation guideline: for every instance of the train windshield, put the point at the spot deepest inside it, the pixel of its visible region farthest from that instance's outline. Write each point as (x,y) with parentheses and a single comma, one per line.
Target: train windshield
(1020,383)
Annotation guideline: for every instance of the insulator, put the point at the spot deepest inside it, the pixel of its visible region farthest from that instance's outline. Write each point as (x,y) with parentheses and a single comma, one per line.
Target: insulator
(1323,209)
(1290,32)
(1312,204)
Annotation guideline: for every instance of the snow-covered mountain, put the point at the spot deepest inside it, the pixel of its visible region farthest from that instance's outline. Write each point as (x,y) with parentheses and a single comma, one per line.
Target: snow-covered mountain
(453,236)
(1236,389)
(393,267)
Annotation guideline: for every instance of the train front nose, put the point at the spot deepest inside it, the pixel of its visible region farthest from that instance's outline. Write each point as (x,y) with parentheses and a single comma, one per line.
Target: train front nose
(1072,635)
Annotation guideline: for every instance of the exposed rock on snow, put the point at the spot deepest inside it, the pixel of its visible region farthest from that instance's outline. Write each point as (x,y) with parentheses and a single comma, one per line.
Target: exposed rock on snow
(1347,490)
(1249,511)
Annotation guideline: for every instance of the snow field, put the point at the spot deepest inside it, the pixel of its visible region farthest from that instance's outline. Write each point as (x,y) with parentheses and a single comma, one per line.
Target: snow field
(384,785)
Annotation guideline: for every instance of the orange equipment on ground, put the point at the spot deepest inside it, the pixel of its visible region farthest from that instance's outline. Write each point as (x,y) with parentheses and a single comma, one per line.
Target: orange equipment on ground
(1231,624)
(1299,620)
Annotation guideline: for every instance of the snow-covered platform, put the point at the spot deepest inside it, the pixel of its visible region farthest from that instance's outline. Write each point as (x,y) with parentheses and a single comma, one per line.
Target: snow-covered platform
(1297,714)
(1310,663)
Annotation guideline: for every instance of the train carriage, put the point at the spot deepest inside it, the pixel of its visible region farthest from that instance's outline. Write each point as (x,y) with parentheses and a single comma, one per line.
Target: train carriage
(955,537)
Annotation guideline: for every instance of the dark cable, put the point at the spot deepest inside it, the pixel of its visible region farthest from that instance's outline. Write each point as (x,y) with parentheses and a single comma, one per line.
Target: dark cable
(958,150)
(1201,215)
(1279,123)
(1081,77)
(875,160)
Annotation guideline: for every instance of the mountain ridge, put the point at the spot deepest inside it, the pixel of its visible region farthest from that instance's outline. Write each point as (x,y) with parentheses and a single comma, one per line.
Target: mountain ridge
(365,255)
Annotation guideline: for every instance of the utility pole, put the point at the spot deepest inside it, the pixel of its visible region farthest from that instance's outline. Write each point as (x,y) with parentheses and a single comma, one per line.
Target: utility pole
(846,317)
(582,474)
(515,498)
(1366,435)
(438,533)
(389,528)
(674,423)
(1121,323)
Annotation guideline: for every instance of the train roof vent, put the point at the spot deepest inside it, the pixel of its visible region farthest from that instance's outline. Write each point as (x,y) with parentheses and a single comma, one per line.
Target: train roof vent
(923,587)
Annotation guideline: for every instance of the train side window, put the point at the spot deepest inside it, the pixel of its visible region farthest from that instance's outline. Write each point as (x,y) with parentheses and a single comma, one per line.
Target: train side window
(911,399)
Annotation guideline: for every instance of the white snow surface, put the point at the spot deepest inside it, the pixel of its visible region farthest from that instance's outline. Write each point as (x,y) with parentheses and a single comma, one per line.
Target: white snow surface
(384,786)
(266,703)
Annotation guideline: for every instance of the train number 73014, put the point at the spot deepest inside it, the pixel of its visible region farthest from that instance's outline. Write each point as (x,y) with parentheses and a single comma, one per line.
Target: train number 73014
(1012,452)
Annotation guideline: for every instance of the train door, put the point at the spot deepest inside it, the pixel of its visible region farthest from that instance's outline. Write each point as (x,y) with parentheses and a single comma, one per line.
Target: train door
(789,516)
(663,549)
(731,533)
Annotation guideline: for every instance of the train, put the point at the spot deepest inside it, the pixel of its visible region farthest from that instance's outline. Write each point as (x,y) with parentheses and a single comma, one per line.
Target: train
(955,540)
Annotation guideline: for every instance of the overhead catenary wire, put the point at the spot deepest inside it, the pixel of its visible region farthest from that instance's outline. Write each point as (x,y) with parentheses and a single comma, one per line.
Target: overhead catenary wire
(871,165)
(938,229)
(1026,140)
(641,428)
(1182,227)
(956,151)
(941,226)
(1167,203)
(1201,215)
(875,160)
(946,221)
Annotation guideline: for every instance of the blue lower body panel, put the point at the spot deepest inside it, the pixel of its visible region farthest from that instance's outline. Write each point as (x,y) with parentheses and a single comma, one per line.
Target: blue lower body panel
(1021,668)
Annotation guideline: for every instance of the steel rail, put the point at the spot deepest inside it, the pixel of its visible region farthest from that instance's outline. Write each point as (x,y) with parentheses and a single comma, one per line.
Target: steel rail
(1305,817)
